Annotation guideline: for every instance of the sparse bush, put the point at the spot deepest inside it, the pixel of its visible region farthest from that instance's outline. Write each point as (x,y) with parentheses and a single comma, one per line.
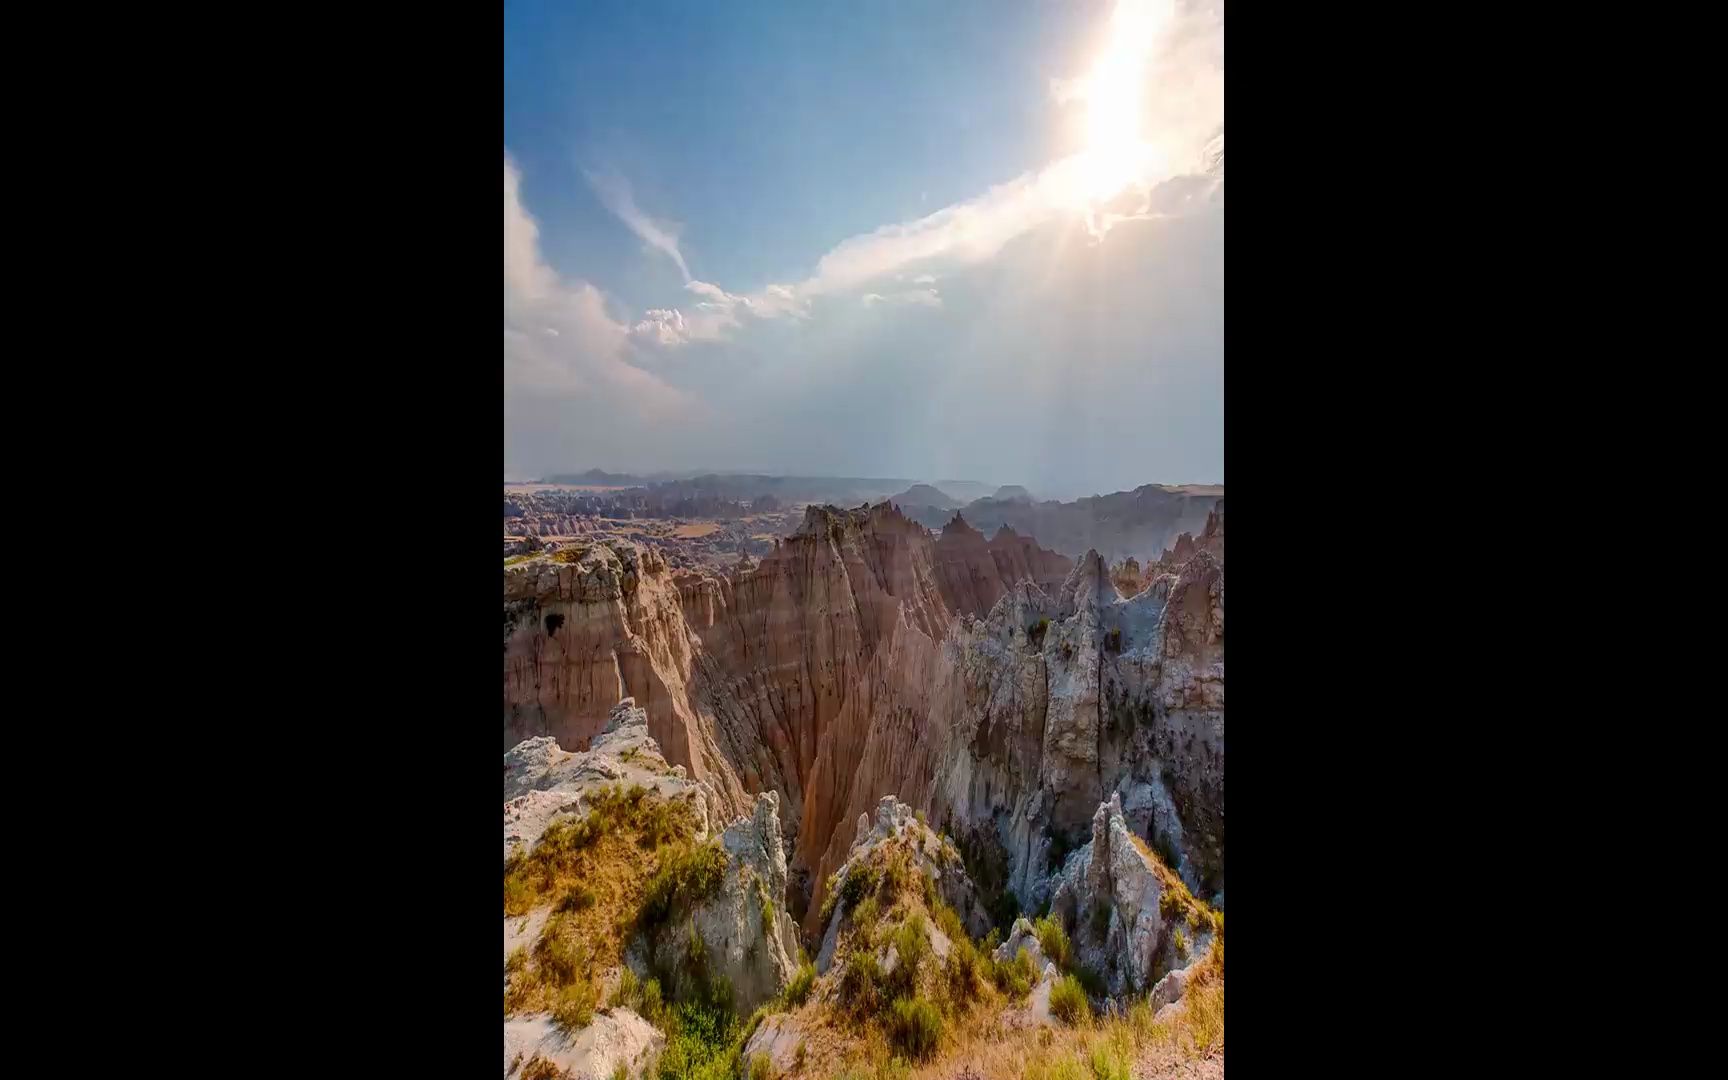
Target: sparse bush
(1015,977)
(1181,941)
(911,949)
(628,993)
(962,970)
(860,982)
(577,898)
(621,1071)
(798,1059)
(653,1007)
(574,1006)
(517,960)
(767,906)
(1091,981)
(948,921)
(799,988)
(1068,1001)
(684,879)
(897,875)
(560,956)
(916,1027)
(761,1067)
(1054,941)
(861,881)
(864,919)
(1110,1061)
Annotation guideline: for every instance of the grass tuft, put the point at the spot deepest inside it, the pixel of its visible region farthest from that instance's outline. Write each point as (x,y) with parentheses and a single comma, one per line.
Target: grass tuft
(1068,1001)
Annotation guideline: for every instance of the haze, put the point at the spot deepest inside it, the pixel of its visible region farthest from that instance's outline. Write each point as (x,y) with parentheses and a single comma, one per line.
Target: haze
(964,240)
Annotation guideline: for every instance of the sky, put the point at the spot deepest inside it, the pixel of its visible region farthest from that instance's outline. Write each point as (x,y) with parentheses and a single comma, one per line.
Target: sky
(934,240)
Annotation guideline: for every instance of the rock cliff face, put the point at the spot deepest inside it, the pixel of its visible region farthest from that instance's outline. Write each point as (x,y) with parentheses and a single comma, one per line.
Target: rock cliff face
(747,936)
(1112,895)
(997,687)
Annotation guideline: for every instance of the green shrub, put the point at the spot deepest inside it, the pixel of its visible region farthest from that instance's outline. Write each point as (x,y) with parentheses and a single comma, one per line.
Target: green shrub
(628,995)
(684,879)
(703,1042)
(911,949)
(915,1028)
(1068,1001)
(761,1067)
(1054,941)
(860,982)
(1015,977)
(621,1071)
(864,923)
(1181,943)
(860,882)
(962,971)
(948,921)
(799,988)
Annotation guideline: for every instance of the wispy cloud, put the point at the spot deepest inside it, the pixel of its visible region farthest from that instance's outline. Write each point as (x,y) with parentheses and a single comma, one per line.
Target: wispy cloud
(615,194)
(1155,106)
(566,364)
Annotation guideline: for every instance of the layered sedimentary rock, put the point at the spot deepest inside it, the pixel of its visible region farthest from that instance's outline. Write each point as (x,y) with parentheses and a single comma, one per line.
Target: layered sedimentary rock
(973,573)
(999,688)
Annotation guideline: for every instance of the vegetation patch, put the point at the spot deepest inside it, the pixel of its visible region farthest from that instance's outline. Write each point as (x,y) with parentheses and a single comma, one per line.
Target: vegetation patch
(916,1027)
(1068,1001)
(595,871)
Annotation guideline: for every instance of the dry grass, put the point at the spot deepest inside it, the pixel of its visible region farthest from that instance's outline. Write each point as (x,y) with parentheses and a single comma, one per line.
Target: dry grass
(1177,902)
(597,872)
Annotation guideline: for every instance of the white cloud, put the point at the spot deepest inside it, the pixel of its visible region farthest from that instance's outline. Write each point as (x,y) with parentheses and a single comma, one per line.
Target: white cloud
(915,297)
(615,194)
(568,379)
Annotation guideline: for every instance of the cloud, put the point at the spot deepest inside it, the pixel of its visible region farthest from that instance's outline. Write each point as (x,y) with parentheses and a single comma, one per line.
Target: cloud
(568,379)
(1155,105)
(915,297)
(715,314)
(615,194)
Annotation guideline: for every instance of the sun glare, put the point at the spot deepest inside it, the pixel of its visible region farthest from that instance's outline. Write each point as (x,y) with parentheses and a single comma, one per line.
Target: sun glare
(1116,153)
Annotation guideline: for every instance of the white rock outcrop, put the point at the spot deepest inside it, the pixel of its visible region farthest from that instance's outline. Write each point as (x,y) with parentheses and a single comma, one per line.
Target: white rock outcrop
(1109,885)
(617,1037)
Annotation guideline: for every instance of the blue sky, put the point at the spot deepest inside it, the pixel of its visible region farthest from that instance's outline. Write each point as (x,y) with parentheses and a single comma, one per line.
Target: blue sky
(956,239)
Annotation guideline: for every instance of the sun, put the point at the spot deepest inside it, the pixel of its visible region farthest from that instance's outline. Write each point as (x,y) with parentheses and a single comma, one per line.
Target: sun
(1116,152)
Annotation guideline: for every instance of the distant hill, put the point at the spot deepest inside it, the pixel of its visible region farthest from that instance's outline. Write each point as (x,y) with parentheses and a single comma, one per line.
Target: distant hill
(925,495)
(1142,522)
(964,490)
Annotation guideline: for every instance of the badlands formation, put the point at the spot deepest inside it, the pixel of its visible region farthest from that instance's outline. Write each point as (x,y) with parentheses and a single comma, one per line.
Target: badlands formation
(998,720)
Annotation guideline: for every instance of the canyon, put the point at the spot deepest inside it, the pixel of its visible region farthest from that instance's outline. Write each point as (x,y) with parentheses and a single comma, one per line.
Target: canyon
(1001,689)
